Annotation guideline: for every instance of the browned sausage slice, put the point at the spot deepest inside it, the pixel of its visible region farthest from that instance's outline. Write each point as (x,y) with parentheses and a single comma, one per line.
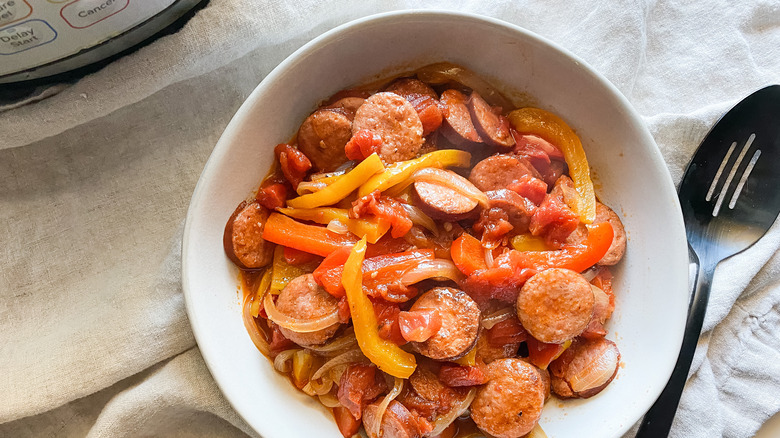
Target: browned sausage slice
(396,121)
(322,137)
(460,319)
(510,404)
(397,421)
(492,128)
(458,127)
(555,305)
(409,87)
(618,247)
(498,171)
(243,237)
(585,368)
(441,202)
(347,105)
(303,298)
(518,209)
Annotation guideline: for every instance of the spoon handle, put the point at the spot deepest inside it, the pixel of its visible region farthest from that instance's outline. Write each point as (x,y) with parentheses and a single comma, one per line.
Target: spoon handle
(658,420)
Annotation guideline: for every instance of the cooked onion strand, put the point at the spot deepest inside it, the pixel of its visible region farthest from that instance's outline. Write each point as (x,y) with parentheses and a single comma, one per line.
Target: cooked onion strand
(297,325)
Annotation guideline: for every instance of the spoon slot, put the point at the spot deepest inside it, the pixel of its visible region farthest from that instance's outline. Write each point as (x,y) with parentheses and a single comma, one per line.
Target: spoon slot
(731,175)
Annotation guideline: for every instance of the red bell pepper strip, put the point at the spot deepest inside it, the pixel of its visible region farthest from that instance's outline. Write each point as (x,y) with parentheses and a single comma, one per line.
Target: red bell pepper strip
(577,257)
(541,354)
(313,239)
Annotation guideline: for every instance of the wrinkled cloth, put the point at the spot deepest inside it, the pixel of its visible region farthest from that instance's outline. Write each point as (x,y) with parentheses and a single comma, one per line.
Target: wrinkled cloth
(95,181)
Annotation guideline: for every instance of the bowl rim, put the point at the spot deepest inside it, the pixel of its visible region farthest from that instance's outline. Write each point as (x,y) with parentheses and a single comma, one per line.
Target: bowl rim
(242,114)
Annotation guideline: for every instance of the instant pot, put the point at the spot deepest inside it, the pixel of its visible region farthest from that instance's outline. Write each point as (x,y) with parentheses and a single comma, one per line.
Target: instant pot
(42,38)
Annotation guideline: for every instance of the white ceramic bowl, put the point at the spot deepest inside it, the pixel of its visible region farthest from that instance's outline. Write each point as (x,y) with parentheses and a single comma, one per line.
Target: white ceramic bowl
(651,282)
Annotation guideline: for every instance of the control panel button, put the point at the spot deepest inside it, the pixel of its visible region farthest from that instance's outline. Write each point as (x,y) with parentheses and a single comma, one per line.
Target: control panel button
(85,13)
(25,36)
(13,10)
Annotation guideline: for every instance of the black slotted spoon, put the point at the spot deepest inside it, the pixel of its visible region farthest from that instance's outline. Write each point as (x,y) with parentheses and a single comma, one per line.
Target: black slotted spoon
(730,196)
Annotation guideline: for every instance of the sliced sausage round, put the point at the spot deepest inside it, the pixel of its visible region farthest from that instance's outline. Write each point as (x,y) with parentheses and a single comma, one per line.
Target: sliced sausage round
(585,368)
(458,126)
(510,404)
(441,202)
(487,352)
(408,87)
(555,305)
(243,237)
(460,319)
(618,247)
(395,120)
(397,421)
(322,137)
(492,128)
(498,171)
(347,105)
(518,209)
(303,298)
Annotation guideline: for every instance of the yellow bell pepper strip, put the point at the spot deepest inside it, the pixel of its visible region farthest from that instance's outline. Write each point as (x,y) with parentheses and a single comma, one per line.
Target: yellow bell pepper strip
(262,289)
(388,356)
(527,242)
(401,171)
(469,360)
(342,187)
(313,239)
(552,128)
(281,272)
(373,228)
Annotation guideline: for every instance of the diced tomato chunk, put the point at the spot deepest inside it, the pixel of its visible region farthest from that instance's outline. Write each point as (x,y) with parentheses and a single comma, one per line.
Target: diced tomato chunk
(554,220)
(508,331)
(429,112)
(456,375)
(272,196)
(278,342)
(383,207)
(502,282)
(359,384)
(419,325)
(362,144)
(530,187)
(347,424)
(387,320)
(294,163)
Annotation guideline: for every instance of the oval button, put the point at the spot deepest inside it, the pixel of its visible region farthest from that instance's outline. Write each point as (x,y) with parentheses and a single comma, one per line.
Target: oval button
(85,13)
(25,36)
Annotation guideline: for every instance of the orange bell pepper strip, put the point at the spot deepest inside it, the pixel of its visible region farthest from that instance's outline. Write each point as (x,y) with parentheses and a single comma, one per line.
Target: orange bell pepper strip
(386,355)
(371,227)
(467,254)
(541,354)
(552,128)
(314,239)
(577,257)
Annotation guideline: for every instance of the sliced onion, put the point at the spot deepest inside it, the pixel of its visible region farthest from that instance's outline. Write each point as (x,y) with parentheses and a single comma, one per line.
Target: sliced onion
(397,387)
(494,318)
(595,372)
(346,340)
(297,325)
(305,187)
(443,72)
(536,432)
(451,180)
(445,420)
(591,273)
(329,400)
(436,268)
(283,360)
(489,260)
(354,355)
(319,387)
(258,338)
(338,227)
(418,217)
